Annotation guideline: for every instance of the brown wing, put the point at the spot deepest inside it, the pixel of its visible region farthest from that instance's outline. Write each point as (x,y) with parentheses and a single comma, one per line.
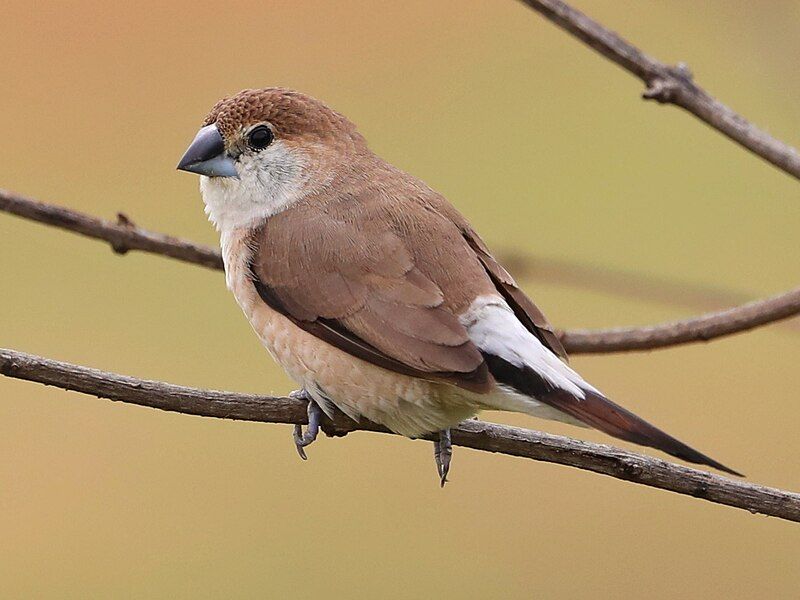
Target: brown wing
(526,311)
(354,283)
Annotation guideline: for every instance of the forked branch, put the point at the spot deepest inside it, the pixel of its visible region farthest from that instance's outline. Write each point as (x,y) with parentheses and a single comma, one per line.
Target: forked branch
(665,84)
(669,85)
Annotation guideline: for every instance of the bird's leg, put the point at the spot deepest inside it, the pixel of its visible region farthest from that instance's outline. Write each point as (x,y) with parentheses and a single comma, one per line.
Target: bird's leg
(443,452)
(301,440)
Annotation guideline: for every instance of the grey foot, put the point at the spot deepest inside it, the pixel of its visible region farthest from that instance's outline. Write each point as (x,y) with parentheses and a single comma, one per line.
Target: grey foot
(303,439)
(443,452)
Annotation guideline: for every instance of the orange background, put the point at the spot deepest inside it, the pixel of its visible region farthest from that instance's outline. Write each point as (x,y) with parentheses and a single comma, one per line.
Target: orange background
(545,147)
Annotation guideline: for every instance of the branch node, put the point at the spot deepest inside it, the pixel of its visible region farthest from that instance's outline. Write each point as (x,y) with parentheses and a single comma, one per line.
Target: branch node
(669,84)
(119,246)
(662,89)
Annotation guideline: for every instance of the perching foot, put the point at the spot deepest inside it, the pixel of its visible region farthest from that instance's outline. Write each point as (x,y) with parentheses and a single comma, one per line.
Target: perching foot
(443,452)
(303,439)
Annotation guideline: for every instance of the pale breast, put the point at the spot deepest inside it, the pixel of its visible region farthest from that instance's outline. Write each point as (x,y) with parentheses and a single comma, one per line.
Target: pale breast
(407,405)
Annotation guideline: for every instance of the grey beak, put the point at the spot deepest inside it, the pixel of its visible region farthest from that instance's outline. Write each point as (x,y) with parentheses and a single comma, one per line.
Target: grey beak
(206,155)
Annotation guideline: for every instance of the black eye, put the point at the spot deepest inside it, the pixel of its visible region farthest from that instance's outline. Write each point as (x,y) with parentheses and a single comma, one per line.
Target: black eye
(260,137)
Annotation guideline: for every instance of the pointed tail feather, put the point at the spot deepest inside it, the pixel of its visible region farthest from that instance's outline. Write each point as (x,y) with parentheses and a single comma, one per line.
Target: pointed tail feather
(597,411)
(603,414)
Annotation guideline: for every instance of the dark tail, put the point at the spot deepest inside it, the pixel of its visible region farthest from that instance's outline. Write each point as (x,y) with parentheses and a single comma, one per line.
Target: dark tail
(597,411)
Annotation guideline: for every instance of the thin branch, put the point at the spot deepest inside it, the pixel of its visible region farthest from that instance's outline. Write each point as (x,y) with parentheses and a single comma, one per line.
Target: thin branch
(127,236)
(665,84)
(122,235)
(648,287)
(698,329)
(513,441)
(669,85)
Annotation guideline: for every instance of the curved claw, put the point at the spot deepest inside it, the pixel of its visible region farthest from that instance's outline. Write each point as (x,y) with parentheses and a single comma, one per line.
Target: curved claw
(443,453)
(303,439)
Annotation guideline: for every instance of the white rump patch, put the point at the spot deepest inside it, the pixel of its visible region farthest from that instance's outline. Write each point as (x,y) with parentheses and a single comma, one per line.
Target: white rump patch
(494,328)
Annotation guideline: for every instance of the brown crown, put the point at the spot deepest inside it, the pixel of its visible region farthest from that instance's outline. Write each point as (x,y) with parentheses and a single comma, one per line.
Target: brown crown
(291,114)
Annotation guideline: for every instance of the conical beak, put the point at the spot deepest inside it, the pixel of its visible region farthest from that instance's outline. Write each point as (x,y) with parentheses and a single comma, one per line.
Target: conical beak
(206,155)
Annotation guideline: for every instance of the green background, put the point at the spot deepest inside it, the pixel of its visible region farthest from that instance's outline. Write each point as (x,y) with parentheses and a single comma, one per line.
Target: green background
(546,147)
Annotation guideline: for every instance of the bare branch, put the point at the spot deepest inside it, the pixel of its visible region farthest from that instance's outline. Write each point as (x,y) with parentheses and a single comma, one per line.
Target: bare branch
(126,236)
(122,235)
(665,84)
(648,287)
(514,441)
(669,85)
(698,329)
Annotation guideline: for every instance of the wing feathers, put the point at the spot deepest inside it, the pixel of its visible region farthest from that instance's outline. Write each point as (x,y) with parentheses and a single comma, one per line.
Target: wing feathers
(334,333)
(433,324)
(413,289)
(359,289)
(525,310)
(518,360)
(409,341)
(402,281)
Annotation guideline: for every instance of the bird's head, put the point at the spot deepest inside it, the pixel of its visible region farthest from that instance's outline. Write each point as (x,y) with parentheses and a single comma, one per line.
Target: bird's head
(261,150)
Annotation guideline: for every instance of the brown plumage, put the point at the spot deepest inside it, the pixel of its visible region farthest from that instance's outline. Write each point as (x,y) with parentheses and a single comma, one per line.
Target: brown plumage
(374,292)
(369,275)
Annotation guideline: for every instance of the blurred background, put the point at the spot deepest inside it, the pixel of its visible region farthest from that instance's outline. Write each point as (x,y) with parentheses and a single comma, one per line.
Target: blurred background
(546,147)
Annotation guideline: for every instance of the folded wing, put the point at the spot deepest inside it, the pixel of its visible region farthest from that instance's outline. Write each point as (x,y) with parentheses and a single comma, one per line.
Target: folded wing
(356,285)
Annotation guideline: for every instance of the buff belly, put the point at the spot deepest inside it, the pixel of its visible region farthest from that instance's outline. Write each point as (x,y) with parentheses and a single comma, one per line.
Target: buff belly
(406,405)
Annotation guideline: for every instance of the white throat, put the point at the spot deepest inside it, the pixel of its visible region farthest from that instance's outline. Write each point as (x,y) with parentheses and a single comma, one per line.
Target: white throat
(268,183)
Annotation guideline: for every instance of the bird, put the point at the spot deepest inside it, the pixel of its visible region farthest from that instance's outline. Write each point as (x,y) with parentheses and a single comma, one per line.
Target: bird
(372,291)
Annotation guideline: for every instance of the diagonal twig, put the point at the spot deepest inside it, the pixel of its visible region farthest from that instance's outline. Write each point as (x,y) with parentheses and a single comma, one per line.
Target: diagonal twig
(669,85)
(479,435)
(127,236)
